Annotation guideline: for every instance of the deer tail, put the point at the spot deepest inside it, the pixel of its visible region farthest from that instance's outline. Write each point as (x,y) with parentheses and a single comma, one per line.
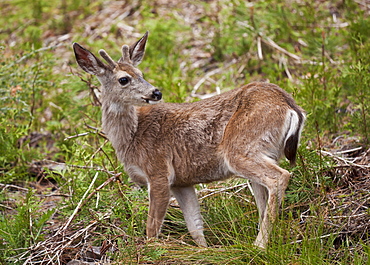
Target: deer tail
(295,121)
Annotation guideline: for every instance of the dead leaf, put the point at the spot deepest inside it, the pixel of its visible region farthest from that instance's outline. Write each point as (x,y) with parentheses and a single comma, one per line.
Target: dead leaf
(14,90)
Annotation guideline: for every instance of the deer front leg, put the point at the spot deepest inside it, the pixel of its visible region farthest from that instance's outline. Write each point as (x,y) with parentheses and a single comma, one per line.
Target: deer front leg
(159,196)
(188,201)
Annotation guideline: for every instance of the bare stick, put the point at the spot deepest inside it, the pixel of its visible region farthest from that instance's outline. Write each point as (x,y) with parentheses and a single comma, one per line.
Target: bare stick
(75,136)
(111,179)
(66,165)
(221,190)
(320,237)
(6,186)
(347,162)
(348,151)
(80,203)
(205,78)
(97,150)
(259,48)
(273,44)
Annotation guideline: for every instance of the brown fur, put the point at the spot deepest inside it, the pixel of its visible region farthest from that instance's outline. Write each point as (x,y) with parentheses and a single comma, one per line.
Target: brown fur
(171,147)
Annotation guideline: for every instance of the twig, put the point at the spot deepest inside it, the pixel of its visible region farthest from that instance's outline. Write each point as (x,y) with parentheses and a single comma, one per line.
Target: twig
(98,150)
(33,101)
(6,207)
(348,151)
(77,135)
(344,160)
(259,48)
(268,41)
(92,88)
(70,165)
(216,191)
(210,73)
(97,130)
(320,237)
(273,44)
(283,62)
(34,52)
(111,179)
(63,245)
(348,216)
(80,203)
(93,168)
(7,186)
(53,195)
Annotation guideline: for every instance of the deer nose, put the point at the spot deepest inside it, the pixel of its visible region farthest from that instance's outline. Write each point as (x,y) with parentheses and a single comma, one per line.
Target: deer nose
(157,94)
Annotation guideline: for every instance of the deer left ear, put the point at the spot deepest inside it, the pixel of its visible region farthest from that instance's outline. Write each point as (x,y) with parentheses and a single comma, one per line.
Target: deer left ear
(87,61)
(137,50)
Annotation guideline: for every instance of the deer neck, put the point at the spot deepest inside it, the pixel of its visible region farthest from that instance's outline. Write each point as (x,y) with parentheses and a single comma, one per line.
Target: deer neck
(120,124)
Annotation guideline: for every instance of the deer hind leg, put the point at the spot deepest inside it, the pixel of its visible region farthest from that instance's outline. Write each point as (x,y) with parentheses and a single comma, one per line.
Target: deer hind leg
(188,201)
(269,182)
(261,196)
(159,197)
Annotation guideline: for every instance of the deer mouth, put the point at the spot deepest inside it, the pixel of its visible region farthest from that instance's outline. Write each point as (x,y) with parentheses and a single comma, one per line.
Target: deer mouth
(150,100)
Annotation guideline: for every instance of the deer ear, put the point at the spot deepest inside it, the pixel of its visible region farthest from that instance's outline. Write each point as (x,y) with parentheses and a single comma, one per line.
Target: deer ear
(137,50)
(88,62)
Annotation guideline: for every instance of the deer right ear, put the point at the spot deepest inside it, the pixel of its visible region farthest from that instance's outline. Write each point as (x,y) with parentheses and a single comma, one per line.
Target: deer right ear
(137,50)
(87,61)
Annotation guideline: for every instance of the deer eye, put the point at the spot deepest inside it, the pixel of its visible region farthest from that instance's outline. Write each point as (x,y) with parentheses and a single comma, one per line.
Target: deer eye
(124,81)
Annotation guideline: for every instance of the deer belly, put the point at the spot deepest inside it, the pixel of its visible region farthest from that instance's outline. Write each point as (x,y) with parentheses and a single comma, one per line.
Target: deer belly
(212,171)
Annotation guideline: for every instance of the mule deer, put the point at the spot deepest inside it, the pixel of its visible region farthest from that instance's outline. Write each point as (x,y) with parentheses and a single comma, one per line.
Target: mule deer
(170,147)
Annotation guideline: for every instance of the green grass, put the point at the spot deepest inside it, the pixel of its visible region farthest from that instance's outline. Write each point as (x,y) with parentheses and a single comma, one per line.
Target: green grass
(41,95)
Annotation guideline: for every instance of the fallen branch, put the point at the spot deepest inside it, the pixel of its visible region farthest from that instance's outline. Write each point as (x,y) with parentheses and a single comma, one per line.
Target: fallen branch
(9,186)
(97,131)
(212,192)
(345,161)
(64,165)
(76,135)
(33,52)
(314,238)
(206,77)
(79,204)
(115,177)
(273,44)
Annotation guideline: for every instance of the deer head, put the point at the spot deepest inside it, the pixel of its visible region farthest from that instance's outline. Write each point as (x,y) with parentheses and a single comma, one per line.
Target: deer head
(122,83)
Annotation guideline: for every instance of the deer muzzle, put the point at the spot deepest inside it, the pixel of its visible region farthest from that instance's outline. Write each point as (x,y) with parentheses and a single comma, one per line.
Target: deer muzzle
(154,97)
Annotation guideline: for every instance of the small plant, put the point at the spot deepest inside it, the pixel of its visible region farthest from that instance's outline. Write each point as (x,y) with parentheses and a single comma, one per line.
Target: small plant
(356,80)
(23,229)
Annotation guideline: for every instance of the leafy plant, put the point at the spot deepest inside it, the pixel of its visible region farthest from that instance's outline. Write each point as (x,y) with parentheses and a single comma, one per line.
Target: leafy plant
(23,229)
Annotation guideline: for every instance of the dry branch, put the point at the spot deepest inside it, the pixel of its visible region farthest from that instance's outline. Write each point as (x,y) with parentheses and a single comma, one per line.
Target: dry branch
(206,77)
(52,250)
(345,161)
(10,186)
(80,203)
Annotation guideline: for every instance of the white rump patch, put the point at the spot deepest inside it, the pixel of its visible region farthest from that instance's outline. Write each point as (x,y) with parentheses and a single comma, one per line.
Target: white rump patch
(291,124)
